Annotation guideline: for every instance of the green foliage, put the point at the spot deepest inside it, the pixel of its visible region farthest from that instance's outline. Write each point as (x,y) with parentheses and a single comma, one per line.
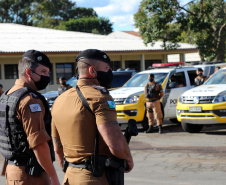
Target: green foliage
(89,24)
(53,14)
(199,22)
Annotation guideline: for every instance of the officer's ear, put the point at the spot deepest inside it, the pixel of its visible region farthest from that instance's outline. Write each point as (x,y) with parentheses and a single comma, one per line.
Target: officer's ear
(28,73)
(92,71)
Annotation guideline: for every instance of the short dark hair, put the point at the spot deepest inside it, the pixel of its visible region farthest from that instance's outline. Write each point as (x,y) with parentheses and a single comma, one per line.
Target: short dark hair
(62,78)
(152,75)
(200,69)
(218,67)
(1,85)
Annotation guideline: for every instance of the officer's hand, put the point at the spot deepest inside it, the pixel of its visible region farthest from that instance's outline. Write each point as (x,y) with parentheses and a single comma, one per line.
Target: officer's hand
(129,166)
(55,181)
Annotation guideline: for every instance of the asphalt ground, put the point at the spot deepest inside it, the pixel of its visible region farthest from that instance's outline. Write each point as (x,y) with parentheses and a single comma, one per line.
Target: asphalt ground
(175,157)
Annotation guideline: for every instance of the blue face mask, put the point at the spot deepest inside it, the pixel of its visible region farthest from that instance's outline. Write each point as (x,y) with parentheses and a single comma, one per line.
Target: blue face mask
(42,83)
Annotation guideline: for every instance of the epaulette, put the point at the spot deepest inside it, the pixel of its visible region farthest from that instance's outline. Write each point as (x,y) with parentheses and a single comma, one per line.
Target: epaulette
(33,95)
(103,90)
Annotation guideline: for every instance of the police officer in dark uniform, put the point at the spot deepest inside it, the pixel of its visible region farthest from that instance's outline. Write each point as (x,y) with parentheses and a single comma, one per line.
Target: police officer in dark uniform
(25,125)
(200,79)
(75,129)
(153,93)
(63,85)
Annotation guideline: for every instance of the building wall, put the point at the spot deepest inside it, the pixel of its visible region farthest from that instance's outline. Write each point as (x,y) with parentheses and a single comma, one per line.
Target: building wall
(57,58)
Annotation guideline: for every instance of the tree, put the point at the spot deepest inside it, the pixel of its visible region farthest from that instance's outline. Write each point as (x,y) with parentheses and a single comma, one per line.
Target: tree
(88,24)
(57,14)
(200,22)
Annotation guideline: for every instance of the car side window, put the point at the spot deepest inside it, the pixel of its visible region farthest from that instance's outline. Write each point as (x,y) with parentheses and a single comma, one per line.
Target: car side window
(192,75)
(177,80)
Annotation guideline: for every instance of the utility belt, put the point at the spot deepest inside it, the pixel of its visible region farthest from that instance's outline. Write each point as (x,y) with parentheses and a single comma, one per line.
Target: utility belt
(32,167)
(113,167)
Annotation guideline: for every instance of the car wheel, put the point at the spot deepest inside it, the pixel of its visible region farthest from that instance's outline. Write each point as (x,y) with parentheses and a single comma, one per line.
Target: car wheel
(174,120)
(191,128)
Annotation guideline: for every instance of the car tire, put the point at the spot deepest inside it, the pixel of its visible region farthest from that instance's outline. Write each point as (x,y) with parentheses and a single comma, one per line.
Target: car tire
(174,120)
(191,128)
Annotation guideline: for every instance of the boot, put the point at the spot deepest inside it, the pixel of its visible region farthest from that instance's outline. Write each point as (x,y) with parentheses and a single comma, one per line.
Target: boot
(150,129)
(160,129)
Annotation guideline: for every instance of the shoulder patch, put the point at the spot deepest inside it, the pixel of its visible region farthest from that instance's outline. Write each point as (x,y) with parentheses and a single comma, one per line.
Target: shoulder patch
(111,104)
(35,107)
(33,95)
(103,90)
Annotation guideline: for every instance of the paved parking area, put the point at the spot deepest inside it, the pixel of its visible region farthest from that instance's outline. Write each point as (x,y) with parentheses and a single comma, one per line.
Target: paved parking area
(176,157)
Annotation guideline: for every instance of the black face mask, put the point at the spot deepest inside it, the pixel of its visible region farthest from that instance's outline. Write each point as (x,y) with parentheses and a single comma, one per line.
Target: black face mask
(42,83)
(200,74)
(64,83)
(151,80)
(105,78)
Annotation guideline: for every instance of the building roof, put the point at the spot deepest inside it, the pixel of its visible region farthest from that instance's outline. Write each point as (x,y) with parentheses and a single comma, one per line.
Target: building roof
(16,38)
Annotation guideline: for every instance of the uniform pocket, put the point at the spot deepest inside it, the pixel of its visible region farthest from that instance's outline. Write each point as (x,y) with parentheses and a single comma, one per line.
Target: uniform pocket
(16,173)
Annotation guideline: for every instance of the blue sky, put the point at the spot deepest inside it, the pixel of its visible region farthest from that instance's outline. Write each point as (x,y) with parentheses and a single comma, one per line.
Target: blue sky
(120,12)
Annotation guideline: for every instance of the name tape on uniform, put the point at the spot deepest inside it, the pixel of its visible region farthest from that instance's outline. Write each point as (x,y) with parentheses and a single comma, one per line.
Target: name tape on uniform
(111,104)
(35,107)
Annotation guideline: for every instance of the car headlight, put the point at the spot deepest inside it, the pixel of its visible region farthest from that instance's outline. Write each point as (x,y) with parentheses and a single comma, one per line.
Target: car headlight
(219,98)
(131,99)
(180,98)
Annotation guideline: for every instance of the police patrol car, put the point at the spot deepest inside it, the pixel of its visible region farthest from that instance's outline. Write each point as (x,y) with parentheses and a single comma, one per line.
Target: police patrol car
(204,105)
(130,99)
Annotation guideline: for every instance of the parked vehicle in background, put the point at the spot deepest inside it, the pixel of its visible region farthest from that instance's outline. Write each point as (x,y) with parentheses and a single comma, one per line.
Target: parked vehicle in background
(204,105)
(120,77)
(130,100)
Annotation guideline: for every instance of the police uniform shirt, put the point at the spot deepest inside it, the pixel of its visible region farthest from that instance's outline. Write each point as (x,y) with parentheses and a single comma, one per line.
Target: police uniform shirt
(76,126)
(31,112)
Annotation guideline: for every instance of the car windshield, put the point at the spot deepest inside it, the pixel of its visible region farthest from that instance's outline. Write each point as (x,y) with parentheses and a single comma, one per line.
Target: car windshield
(217,78)
(139,80)
(119,79)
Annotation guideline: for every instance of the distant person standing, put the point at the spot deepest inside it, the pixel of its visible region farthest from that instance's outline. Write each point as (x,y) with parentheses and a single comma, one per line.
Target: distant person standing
(216,69)
(1,91)
(153,93)
(63,85)
(200,79)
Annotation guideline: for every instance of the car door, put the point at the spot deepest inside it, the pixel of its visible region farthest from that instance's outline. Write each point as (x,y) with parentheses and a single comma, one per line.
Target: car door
(178,82)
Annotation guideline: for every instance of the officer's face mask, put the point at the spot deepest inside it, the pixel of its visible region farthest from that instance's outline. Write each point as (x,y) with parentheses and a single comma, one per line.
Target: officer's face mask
(105,78)
(199,74)
(42,83)
(151,79)
(64,83)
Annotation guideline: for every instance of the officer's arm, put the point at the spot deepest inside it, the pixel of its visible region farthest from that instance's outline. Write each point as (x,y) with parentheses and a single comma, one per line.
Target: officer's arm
(113,137)
(58,148)
(161,95)
(42,154)
(145,92)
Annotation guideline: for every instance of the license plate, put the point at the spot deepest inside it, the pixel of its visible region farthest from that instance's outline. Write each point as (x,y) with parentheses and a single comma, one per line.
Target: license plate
(195,109)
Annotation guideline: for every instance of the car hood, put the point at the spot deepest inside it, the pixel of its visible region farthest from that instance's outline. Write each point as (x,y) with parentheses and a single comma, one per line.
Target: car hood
(125,92)
(206,90)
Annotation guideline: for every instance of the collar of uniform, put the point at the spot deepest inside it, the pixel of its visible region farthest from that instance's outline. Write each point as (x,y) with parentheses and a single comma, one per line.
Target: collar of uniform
(21,83)
(88,82)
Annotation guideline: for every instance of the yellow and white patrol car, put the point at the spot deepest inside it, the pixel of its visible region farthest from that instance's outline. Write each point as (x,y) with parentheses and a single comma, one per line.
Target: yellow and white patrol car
(130,100)
(203,105)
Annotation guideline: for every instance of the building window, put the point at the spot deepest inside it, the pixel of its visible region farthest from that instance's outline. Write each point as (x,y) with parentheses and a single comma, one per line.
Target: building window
(116,65)
(133,64)
(148,63)
(64,70)
(11,71)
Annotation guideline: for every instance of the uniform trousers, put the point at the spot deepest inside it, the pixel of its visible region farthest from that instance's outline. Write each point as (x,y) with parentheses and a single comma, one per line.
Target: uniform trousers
(154,108)
(16,175)
(79,176)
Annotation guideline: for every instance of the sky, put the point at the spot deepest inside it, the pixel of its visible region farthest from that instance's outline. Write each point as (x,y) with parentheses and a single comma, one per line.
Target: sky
(119,12)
